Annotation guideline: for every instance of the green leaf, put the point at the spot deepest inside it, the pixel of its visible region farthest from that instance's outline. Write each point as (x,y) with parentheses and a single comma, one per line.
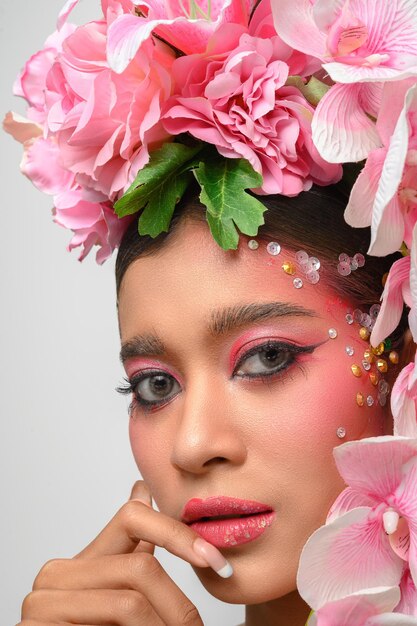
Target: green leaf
(313,91)
(157,214)
(223,182)
(164,165)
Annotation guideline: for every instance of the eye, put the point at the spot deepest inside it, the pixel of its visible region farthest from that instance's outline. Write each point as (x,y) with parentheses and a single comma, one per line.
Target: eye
(151,389)
(268,359)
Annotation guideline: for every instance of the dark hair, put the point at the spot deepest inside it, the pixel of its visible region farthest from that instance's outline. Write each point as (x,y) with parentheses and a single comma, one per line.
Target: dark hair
(313,221)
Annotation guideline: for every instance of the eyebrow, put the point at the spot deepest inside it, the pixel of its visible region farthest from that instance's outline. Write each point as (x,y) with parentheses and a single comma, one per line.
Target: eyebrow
(222,321)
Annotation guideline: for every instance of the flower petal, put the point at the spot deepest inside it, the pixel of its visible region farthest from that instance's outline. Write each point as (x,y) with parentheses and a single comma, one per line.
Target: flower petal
(348,555)
(342,131)
(403,405)
(346,501)
(392,301)
(21,128)
(359,607)
(294,23)
(349,74)
(412,316)
(358,212)
(65,11)
(374,465)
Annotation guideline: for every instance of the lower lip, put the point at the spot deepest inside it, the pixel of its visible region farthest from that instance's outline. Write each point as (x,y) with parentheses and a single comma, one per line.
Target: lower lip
(234,531)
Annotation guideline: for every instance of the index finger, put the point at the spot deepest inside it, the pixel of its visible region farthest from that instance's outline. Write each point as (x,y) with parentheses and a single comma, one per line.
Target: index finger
(135,522)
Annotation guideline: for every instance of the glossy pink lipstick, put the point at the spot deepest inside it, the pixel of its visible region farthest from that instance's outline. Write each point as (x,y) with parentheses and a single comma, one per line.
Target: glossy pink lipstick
(225,521)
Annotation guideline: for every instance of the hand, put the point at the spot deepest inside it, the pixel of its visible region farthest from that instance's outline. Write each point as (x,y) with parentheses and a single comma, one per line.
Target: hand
(116,579)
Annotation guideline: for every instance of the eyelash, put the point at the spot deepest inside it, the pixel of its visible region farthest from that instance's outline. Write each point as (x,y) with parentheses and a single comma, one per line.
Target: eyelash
(129,385)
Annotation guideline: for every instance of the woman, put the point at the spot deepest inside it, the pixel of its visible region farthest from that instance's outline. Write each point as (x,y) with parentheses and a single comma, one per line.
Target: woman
(244,374)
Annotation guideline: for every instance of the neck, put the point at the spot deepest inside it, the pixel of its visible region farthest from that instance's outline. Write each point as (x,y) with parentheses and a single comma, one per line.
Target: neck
(290,609)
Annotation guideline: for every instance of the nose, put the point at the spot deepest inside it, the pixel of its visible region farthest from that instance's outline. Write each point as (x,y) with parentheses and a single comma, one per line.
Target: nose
(209,432)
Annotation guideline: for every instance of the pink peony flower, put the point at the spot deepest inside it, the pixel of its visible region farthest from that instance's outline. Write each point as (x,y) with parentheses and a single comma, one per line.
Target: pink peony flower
(371,530)
(187,25)
(385,193)
(370,607)
(363,44)
(235,98)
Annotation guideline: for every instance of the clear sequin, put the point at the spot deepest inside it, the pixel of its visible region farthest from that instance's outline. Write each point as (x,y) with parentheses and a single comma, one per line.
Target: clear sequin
(332,333)
(383,386)
(349,318)
(341,432)
(273,248)
(344,268)
(313,277)
(366,320)
(253,244)
(382,399)
(353,265)
(314,262)
(374,311)
(366,365)
(360,259)
(344,258)
(357,315)
(298,283)
(301,256)
(370,400)
(349,350)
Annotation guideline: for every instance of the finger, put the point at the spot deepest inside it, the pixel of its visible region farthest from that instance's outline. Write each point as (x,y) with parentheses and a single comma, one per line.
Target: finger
(139,572)
(140,491)
(88,606)
(135,522)
(32,622)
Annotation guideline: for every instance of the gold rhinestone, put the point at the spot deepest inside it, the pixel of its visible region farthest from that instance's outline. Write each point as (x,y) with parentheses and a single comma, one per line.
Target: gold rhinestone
(382,365)
(360,399)
(374,378)
(369,356)
(364,333)
(356,370)
(380,349)
(394,357)
(289,268)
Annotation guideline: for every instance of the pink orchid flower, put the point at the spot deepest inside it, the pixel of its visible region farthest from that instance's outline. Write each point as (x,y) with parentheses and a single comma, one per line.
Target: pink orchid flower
(363,43)
(370,607)
(408,590)
(403,401)
(370,535)
(384,195)
(184,24)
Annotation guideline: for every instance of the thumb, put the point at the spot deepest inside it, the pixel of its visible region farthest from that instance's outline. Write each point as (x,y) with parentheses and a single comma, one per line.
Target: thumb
(140,491)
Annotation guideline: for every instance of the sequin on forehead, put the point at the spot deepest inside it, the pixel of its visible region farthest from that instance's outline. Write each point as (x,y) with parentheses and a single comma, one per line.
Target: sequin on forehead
(253,244)
(273,248)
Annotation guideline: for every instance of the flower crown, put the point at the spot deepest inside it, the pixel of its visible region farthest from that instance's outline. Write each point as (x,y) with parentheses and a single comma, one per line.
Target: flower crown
(270,96)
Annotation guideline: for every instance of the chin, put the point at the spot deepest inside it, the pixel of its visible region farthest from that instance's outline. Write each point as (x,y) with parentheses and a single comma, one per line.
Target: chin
(247,586)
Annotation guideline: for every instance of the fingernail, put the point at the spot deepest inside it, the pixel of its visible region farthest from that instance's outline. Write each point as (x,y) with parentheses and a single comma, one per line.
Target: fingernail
(213,557)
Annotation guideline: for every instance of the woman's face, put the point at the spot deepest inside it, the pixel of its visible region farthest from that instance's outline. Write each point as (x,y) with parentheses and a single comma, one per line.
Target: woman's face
(234,418)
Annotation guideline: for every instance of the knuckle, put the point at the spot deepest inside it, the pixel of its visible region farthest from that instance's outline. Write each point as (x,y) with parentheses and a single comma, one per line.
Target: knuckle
(131,604)
(142,564)
(129,511)
(49,571)
(188,615)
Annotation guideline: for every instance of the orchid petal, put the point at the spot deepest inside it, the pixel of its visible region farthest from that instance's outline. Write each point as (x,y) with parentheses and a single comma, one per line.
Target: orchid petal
(403,404)
(387,228)
(347,500)
(68,7)
(348,555)
(374,465)
(408,602)
(349,74)
(392,301)
(125,36)
(391,619)
(392,103)
(359,607)
(325,12)
(358,212)
(341,129)
(294,23)
(412,316)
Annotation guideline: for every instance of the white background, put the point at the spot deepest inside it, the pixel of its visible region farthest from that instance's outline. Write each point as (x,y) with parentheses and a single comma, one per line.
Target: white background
(66,463)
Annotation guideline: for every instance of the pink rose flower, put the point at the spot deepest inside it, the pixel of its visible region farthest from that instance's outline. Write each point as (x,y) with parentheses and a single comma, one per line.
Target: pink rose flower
(235,98)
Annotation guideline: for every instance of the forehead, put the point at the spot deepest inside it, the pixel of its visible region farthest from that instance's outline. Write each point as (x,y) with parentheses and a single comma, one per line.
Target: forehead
(191,276)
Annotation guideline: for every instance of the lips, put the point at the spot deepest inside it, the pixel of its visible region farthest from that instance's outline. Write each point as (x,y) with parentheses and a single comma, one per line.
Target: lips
(228,522)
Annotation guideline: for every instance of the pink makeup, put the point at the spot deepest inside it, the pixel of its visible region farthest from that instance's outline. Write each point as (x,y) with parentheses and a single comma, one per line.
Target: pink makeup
(225,521)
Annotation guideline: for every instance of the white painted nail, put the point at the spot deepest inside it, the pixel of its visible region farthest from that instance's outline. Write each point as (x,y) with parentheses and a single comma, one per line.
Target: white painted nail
(213,557)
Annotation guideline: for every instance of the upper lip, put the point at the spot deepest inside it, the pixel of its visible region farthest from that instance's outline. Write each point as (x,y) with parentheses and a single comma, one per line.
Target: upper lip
(196,508)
